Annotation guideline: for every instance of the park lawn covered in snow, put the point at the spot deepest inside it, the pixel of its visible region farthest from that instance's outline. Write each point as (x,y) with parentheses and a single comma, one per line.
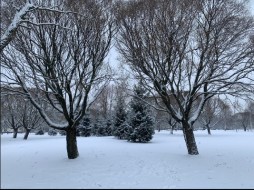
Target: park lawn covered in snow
(226,160)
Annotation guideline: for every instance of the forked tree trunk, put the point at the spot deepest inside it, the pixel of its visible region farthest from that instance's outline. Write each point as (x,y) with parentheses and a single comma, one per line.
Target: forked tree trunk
(15,133)
(71,140)
(26,134)
(190,139)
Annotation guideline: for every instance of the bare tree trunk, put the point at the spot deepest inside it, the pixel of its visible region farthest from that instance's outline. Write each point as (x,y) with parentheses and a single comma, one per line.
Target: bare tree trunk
(71,140)
(15,133)
(190,139)
(159,128)
(208,129)
(172,124)
(26,134)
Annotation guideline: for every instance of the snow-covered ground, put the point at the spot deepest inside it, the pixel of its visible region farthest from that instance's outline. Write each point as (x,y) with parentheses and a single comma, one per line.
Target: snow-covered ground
(226,160)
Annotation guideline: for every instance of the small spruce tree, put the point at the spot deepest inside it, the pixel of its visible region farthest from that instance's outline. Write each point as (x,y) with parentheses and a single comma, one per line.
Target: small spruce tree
(108,126)
(85,128)
(120,127)
(95,128)
(141,122)
(101,128)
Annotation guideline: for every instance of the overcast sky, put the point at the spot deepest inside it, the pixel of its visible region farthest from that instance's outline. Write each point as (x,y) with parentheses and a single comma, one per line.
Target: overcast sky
(252,6)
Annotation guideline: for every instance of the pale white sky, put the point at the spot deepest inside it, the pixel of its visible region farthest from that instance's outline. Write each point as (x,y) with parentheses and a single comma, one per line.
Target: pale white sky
(252,6)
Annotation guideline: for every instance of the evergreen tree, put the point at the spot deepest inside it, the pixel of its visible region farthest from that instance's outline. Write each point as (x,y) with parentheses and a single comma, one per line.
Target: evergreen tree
(101,131)
(95,128)
(141,121)
(52,132)
(108,126)
(85,128)
(120,128)
(40,132)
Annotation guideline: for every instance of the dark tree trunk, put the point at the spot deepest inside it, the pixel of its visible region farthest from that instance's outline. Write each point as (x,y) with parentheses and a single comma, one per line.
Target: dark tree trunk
(171,131)
(245,128)
(15,133)
(71,140)
(190,139)
(208,129)
(26,134)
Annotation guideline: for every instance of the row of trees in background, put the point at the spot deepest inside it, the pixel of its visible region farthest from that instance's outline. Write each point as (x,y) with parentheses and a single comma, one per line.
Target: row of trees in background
(135,124)
(112,108)
(18,113)
(185,53)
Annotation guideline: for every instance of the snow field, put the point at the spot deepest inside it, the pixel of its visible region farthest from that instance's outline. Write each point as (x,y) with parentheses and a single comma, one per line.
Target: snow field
(226,160)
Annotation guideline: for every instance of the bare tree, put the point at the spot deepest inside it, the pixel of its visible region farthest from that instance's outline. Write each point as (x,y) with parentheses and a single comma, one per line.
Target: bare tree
(187,51)
(30,117)
(18,112)
(64,64)
(210,115)
(250,106)
(11,106)
(226,114)
(250,109)
(104,103)
(245,117)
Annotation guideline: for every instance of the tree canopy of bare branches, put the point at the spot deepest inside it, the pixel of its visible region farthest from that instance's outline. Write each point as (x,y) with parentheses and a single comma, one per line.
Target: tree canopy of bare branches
(11,113)
(187,51)
(16,14)
(62,64)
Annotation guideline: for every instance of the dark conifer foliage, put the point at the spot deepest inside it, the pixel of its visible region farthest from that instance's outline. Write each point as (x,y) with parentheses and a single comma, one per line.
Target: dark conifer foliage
(141,121)
(85,130)
(120,128)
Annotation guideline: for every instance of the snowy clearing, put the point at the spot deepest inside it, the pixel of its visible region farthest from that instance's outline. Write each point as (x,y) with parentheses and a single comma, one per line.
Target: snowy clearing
(226,160)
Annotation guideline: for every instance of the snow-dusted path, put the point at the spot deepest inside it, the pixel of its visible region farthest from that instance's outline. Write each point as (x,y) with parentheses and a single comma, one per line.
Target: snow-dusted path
(226,160)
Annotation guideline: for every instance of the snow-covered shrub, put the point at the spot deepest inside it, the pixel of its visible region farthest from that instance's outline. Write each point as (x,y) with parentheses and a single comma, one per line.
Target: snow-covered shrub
(40,132)
(52,133)
(98,128)
(123,131)
(85,129)
(62,132)
(101,131)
